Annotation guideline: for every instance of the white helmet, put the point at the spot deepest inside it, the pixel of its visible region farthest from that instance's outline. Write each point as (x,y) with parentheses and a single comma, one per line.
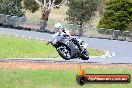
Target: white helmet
(58,26)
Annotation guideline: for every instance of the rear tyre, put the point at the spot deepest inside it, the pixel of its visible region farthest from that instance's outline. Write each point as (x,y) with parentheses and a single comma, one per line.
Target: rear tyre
(64,52)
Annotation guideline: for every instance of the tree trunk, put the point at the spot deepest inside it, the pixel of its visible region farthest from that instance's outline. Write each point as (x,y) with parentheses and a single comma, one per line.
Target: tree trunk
(43,25)
(81,29)
(101,7)
(44,19)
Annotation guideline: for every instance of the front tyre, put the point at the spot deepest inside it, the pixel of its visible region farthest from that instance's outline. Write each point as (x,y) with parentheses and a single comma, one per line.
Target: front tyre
(64,52)
(85,55)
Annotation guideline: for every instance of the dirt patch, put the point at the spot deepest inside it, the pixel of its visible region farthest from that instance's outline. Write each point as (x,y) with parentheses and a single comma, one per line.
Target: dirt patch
(52,66)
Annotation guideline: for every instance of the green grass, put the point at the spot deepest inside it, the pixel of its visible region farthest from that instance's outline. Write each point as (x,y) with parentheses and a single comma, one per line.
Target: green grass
(15,78)
(16,47)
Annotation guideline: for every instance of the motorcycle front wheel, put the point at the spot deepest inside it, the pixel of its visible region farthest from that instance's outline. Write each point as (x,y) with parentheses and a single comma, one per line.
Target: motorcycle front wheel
(64,52)
(85,55)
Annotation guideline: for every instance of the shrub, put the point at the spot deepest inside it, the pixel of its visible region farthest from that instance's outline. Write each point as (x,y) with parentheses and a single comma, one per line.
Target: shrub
(117,15)
(9,7)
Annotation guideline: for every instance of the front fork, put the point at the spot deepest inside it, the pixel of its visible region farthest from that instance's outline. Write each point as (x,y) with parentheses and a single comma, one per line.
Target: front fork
(77,43)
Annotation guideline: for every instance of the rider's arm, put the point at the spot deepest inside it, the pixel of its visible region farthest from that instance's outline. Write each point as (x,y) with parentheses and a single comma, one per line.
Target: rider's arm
(68,32)
(54,38)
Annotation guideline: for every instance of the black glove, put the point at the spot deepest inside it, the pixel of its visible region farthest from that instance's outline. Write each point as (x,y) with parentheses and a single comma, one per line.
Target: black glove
(48,42)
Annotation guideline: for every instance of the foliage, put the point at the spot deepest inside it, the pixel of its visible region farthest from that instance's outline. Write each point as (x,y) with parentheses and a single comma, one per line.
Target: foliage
(11,7)
(32,6)
(1,1)
(130,26)
(56,1)
(80,11)
(117,15)
(29,5)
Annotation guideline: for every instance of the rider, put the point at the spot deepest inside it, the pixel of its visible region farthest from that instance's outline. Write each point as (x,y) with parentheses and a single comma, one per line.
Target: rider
(60,31)
(59,28)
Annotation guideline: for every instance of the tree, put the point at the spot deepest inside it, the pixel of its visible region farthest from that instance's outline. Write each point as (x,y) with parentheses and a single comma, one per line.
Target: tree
(117,15)
(45,5)
(13,7)
(80,11)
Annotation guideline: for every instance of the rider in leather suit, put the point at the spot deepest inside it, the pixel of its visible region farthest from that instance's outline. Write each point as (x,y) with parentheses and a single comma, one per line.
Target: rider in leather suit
(60,31)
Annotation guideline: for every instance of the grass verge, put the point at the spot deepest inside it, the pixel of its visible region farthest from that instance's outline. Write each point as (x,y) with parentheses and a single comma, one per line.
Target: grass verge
(16,47)
(16,78)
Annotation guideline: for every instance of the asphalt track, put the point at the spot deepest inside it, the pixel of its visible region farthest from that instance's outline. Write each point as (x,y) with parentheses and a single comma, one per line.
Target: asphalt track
(118,51)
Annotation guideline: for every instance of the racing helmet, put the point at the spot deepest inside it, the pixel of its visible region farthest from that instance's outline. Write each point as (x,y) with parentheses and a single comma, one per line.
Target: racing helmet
(58,26)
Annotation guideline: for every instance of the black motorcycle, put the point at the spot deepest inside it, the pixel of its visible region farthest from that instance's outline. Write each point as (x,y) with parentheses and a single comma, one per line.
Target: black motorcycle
(68,48)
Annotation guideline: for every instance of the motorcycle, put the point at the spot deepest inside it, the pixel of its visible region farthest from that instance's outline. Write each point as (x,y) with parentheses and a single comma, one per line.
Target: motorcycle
(68,49)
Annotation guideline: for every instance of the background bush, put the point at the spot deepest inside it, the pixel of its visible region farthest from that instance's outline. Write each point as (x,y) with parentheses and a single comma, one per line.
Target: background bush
(117,15)
(11,7)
